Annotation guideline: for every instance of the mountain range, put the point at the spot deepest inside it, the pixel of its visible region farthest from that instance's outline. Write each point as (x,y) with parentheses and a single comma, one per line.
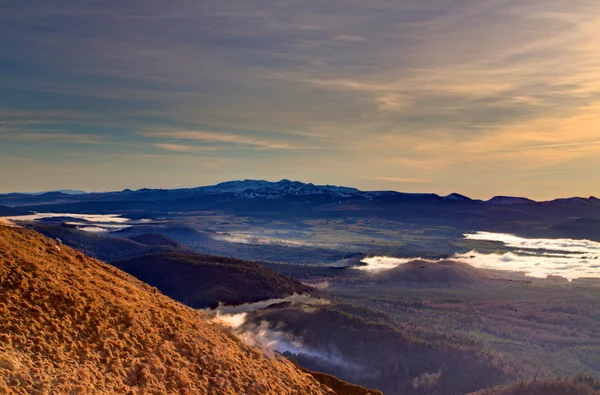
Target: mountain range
(260,189)
(264,204)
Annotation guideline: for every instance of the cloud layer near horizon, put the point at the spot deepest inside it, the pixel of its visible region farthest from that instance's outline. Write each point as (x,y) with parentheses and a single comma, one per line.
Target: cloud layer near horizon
(539,258)
(482,98)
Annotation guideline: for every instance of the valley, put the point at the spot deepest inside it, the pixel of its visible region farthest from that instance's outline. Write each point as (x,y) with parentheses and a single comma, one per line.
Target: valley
(316,197)
(417,296)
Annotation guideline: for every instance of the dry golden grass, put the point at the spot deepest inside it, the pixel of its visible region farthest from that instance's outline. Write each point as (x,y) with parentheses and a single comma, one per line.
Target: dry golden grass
(5,222)
(72,325)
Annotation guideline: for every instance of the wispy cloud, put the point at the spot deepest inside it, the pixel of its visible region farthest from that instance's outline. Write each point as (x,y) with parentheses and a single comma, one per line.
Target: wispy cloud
(399,179)
(445,90)
(216,137)
(183,148)
(350,38)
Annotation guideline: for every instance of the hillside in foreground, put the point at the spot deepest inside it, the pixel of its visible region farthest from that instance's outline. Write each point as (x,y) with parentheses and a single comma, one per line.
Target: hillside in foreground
(202,281)
(71,324)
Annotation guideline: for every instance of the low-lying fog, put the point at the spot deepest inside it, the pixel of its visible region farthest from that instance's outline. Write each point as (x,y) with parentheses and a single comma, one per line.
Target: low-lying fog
(253,239)
(536,257)
(96,223)
(270,339)
(105,218)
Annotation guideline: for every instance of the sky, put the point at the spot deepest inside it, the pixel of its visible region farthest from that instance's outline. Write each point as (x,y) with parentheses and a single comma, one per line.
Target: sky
(480,97)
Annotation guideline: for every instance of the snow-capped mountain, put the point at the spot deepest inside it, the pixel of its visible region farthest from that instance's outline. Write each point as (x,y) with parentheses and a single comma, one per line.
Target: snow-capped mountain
(457,197)
(236,186)
(253,189)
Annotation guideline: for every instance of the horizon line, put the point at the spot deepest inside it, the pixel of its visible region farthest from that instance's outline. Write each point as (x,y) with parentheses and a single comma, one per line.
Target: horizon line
(82,192)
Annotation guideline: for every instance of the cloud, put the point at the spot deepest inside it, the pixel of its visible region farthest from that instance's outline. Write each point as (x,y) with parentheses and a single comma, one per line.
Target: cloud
(270,339)
(381,263)
(174,147)
(535,257)
(93,218)
(399,179)
(350,38)
(250,307)
(255,239)
(215,137)
(460,90)
(183,148)
(539,266)
(570,245)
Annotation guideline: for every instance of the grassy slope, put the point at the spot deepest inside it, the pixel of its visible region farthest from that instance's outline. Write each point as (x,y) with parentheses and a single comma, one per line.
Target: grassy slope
(72,324)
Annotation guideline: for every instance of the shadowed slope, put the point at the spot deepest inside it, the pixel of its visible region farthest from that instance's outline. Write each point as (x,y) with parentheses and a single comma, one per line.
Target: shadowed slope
(202,281)
(71,324)
(107,248)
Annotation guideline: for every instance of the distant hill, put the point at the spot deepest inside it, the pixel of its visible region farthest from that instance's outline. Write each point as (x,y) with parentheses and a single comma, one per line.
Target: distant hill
(156,240)
(546,387)
(194,279)
(202,281)
(70,191)
(298,201)
(9,211)
(65,191)
(581,228)
(266,190)
(509,200)
(106,248)
(146,239)
(182,234)
(21,199)
(70,324)
(420,273)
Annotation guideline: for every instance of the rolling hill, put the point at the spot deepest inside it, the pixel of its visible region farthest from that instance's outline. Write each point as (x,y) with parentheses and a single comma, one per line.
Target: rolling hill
(106,248)
(202,281)
(432,274)
(71,324)
(6,211)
